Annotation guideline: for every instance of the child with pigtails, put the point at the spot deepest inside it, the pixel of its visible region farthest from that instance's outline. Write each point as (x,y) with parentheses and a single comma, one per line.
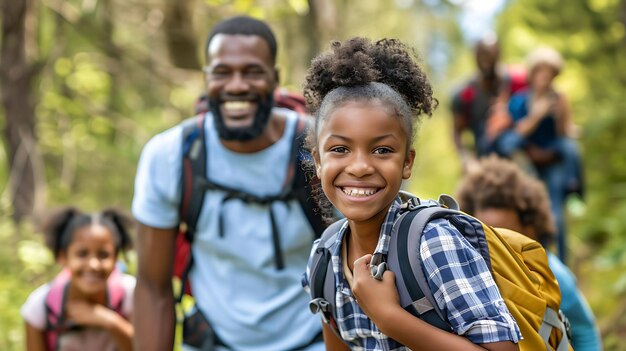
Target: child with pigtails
(88,305)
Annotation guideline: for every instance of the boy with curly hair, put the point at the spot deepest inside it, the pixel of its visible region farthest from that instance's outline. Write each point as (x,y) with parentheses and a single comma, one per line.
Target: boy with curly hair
(500,194)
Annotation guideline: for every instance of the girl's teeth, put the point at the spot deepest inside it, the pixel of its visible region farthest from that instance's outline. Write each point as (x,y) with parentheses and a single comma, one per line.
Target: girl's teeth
(358,192)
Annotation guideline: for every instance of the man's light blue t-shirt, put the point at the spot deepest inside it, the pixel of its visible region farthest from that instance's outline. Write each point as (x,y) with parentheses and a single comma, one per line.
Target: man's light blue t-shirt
(250,304)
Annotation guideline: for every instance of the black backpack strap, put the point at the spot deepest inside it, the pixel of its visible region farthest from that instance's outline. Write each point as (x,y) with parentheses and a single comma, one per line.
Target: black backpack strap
(195,184)
(289,191)
(322,278)
(193,171)
(303,179)
(278,252)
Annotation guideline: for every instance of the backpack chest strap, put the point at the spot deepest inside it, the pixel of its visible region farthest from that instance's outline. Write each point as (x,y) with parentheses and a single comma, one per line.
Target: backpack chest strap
(233,194)
(204,184)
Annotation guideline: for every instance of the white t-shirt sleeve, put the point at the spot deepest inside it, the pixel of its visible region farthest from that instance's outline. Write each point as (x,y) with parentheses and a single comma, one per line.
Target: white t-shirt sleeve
(34,309)
(157,183)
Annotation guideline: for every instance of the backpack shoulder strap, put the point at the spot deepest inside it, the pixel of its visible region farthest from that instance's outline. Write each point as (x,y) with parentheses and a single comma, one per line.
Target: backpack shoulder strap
(191,200)
(322,278)
(303,180)
(415,294)
(116,292)
(194,166)
(54,306)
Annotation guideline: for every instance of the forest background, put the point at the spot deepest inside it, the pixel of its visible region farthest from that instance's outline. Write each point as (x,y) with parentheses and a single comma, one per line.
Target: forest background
(85,83)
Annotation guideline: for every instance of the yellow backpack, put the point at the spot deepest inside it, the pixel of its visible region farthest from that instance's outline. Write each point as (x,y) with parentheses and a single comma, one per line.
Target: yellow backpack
(519,266)
(530,291)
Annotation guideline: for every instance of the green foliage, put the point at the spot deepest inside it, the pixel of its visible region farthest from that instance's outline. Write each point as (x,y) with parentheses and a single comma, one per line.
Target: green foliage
(590,35)
(24,264)
(107,87)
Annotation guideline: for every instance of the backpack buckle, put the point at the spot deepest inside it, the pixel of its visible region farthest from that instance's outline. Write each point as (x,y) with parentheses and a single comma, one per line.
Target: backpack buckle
(448,201)
(378,266)
(318,305)
(413,203)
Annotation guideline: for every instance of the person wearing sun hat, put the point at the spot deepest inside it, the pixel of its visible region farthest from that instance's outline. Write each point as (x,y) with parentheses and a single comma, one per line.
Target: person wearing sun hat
(542,129)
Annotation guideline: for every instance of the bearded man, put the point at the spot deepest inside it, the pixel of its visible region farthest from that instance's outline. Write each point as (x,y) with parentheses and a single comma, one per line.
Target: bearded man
(248,257)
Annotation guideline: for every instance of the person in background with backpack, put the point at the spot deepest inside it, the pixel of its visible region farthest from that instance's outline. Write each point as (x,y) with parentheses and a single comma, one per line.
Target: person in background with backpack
(480,105)
(252,236)
(500,194)
(366,96)
(542,129)
(89,304)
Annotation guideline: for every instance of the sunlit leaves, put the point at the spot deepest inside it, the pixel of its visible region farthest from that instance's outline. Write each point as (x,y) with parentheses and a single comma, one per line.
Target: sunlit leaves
(35,257)
(301,7)
(590,34)
(602,5)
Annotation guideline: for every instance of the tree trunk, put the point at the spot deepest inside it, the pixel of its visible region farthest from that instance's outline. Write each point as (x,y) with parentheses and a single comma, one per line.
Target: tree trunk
(16,77)
(180,35)
(322,18)
(114,56)
(622,16)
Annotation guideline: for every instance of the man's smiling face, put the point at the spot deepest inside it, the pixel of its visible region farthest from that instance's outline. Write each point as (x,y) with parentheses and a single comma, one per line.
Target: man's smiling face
(240,78)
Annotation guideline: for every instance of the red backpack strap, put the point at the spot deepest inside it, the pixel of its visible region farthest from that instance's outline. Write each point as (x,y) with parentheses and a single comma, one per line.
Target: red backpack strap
(56,299)
(54,307)
(116,292)
(193,167)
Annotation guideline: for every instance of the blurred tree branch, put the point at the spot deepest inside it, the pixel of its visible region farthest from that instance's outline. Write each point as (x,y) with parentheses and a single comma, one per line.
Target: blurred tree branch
(180,34)
(17,75)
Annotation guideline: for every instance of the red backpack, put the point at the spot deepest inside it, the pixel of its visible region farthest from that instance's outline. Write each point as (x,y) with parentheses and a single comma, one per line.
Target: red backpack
(56,298)
(498,119)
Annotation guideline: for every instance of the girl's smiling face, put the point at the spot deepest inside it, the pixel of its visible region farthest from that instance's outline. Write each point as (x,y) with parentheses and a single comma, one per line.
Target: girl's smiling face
(91,258)
(362,158)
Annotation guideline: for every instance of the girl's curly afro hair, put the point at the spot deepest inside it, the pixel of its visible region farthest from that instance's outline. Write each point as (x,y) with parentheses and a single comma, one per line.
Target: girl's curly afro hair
(359,61)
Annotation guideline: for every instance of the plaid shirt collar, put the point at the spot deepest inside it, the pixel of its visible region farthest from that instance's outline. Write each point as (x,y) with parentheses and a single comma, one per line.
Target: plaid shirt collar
(385,229)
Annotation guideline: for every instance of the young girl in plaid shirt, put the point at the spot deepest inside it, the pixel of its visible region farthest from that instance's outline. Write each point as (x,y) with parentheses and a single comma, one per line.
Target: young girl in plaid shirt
(366,97)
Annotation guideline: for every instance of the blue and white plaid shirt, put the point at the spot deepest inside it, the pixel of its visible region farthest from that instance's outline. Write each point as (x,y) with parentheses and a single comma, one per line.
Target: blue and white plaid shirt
(458,278)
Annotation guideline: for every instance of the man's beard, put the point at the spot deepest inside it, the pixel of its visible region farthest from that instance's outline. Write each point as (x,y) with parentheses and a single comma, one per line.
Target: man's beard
(261,117)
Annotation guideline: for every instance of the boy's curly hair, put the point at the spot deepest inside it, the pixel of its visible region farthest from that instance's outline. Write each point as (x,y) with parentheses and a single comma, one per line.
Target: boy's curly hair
(500,183)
